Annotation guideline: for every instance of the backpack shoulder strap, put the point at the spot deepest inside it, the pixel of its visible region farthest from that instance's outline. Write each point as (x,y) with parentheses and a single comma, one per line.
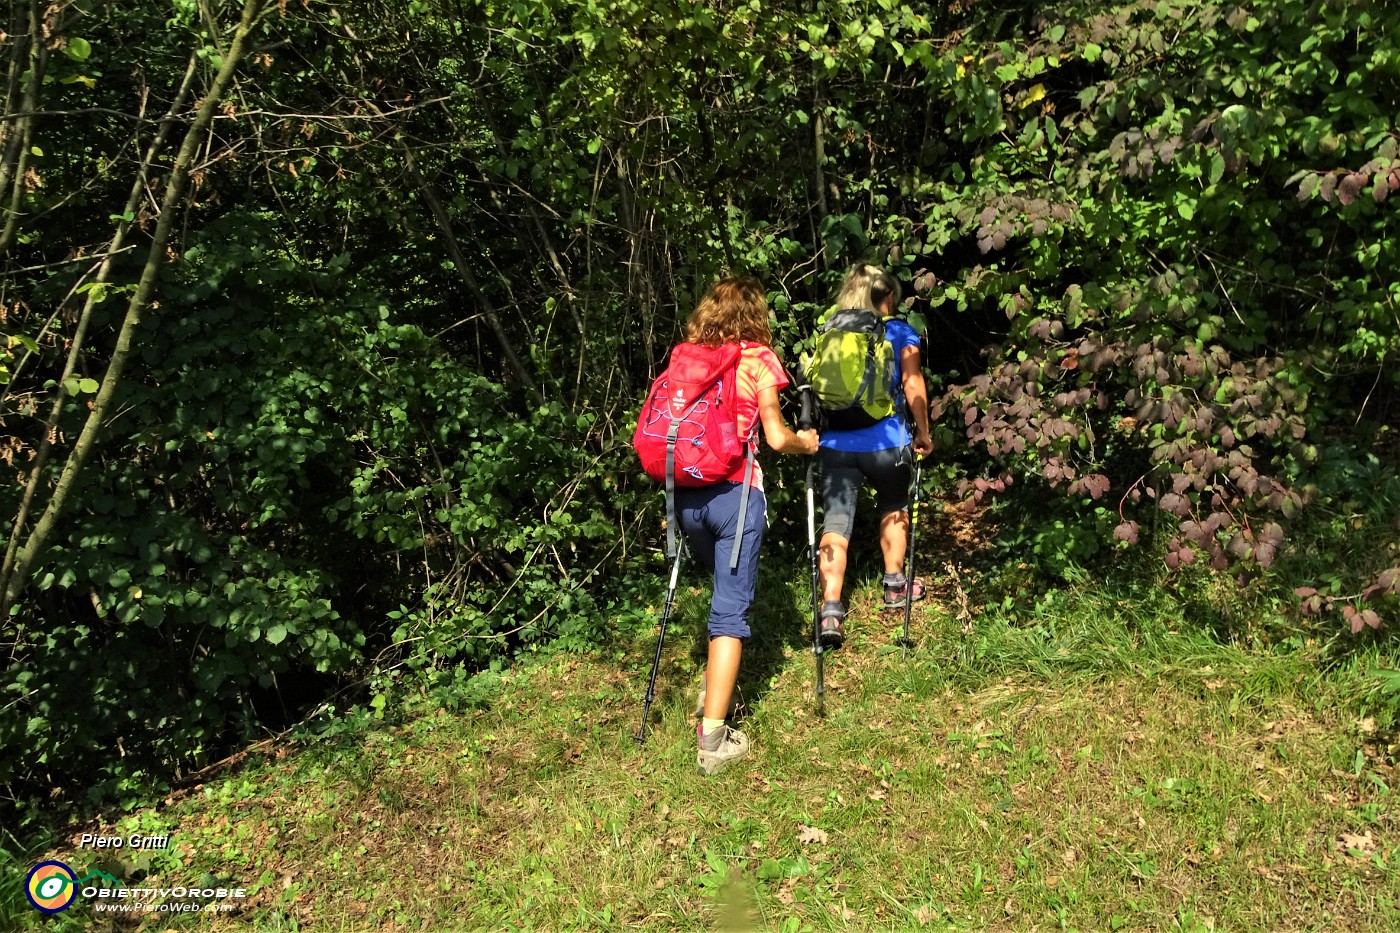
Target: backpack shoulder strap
(733,372)
(868,386)
(743,507)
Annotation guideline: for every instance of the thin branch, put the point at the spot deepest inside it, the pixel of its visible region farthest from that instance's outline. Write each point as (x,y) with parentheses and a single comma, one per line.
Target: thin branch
(459,260)
(8,569)
(17,567)
(17,153)
(58,263)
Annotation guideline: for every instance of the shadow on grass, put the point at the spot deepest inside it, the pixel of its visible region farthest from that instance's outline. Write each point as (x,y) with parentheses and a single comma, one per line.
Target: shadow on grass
(781,617)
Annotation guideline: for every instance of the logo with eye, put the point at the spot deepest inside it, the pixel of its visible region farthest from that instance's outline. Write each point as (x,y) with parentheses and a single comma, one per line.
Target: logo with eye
(51,887)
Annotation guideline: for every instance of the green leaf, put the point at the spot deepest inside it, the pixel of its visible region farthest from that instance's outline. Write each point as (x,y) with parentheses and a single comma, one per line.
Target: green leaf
(78,49)
(276,634)
(87,385)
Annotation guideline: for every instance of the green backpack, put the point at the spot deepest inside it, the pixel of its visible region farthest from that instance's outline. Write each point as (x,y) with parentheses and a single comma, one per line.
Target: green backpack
(851,370)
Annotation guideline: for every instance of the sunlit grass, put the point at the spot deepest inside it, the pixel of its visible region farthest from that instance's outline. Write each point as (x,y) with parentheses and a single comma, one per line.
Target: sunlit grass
(1089,762)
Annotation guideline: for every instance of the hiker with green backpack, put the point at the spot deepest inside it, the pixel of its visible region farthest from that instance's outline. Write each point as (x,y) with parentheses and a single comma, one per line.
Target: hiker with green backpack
(696,434)
(868,377)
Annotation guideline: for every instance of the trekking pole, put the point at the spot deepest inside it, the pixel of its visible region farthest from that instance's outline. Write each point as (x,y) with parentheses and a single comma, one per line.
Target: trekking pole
(660,640)
(909,560)
(804,421)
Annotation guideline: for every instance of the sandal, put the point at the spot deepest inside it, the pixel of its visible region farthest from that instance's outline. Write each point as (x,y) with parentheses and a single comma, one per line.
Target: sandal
(832,631)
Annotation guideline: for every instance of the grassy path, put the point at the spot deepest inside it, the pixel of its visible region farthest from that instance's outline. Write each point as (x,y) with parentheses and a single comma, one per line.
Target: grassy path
(1088,767)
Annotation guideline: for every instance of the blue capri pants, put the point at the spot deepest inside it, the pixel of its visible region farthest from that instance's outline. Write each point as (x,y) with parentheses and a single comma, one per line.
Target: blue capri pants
(709,516)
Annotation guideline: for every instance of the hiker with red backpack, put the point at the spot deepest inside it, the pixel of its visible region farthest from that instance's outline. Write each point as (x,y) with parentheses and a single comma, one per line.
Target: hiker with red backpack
(868,378)
(696,433)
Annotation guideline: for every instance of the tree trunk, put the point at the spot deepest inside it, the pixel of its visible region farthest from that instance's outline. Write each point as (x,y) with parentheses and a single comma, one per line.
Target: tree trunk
(459,260)
(19,138)
(16,575)
(75,347)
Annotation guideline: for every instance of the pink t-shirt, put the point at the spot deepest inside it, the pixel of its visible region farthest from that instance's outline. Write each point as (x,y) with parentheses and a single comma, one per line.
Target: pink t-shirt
(759,369)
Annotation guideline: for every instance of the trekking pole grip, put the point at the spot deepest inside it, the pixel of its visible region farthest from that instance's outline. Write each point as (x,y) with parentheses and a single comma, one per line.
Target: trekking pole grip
(807,418)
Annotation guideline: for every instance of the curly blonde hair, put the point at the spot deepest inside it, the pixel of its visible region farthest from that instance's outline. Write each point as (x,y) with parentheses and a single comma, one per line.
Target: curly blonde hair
(733,309)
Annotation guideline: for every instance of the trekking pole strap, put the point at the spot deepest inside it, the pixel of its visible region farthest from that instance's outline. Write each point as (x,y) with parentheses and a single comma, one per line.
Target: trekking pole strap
(671,488)
(743,509)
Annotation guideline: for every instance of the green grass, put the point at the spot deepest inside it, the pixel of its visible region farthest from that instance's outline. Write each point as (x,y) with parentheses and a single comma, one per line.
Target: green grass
(1087,763)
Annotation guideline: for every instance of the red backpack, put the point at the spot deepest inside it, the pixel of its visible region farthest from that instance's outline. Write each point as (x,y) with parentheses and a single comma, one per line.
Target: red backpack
(688,431)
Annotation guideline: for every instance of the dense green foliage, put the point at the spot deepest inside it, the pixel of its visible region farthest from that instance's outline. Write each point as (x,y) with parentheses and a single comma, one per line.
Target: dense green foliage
(431,253)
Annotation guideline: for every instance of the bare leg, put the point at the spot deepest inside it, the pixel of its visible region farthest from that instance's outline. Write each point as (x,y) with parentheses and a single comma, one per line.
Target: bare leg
(894,540)
(720,675)
(833,565)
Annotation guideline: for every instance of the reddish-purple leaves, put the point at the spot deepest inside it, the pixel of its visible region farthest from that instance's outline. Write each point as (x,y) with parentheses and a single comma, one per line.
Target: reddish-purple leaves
(978,489)
(1347,185)
(1387,583)
(1360,618)
(1009,215)
(1350,187)
(1095,485)
(1179,554)
(1175,504)
(1197,409)
(1270,533)
(924,282)
(1127,532)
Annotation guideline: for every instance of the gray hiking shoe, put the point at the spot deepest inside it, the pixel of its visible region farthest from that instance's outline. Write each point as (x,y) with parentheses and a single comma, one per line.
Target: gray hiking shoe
(719,748)
(898,590)
(832,633)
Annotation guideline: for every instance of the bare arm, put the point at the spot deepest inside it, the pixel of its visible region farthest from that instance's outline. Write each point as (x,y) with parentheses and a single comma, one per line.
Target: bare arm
(776,432)
(916,394)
